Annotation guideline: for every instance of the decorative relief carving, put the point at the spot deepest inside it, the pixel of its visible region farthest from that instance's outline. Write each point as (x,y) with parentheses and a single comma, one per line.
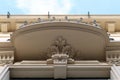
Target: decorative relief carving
(60,58)
(60,50)
(60,46)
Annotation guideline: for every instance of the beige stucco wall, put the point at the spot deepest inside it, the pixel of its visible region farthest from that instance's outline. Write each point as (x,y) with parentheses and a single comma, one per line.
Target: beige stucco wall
(103,20)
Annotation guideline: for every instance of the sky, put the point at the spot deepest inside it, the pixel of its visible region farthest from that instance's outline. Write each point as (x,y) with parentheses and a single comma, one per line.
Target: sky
(60,6)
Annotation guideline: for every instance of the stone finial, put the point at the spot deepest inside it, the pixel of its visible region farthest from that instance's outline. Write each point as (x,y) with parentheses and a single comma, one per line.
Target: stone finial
(8,14)
(89,14)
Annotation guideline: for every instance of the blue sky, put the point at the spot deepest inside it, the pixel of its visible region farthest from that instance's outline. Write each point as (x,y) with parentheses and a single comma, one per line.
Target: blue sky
(60,6)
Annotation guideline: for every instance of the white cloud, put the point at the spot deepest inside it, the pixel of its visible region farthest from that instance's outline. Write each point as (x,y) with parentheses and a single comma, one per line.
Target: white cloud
(43,6)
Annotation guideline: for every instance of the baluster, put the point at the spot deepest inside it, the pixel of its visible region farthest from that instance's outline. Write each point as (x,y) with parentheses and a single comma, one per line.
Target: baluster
(115,58)
(0,57)
(11,59)
(111,58)
(3,59)
(7,59)
(108,57)
(118,58)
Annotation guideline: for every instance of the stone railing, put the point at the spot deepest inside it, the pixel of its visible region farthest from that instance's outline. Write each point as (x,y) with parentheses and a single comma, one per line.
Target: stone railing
(6,57)
(113,57)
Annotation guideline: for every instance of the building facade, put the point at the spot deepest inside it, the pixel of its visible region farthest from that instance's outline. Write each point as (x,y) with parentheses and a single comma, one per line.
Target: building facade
(59,46)
(110,23)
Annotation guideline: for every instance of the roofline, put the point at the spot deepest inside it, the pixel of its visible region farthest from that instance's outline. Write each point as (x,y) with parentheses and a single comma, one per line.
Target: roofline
(61,14)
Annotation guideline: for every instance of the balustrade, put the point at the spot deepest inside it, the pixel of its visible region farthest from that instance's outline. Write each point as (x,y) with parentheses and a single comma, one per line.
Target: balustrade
(113,57)
(6,57)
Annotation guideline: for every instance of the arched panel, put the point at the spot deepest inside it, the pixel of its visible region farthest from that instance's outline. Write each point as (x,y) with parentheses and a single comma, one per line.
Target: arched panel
(32,41)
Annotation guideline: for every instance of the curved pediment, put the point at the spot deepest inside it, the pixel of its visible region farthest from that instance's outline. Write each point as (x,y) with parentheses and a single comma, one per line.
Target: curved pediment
(32,41)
